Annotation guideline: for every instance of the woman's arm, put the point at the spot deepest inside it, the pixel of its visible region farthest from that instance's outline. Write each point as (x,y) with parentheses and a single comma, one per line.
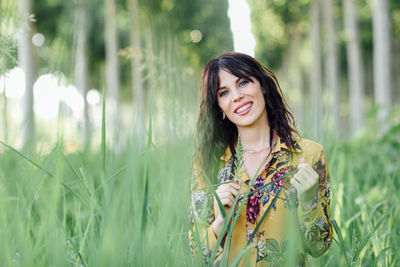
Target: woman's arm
(314,219)
(207,219)
(202,215)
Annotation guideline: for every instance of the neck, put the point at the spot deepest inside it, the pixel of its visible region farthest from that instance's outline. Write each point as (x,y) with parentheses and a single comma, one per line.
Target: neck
(255,137)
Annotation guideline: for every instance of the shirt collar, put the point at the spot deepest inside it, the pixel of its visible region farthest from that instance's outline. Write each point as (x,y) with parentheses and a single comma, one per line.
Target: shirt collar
(280,144)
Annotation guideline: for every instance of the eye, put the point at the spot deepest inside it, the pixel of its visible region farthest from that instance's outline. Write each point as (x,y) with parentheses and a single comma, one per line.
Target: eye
(243,83)
(221,93)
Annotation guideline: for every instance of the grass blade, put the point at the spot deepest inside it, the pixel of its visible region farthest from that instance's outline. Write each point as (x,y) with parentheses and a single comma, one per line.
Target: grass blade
(103,132)
(380,256)
(341,241)
(368,237)
(237,259)
(27,158)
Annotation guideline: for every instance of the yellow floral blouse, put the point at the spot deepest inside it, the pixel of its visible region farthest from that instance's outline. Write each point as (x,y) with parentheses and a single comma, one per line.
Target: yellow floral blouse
(270,241)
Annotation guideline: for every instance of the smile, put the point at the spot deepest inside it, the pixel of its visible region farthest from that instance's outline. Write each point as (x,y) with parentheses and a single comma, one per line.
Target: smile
(244,109)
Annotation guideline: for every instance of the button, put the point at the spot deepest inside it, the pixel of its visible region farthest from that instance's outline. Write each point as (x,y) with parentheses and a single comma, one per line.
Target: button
(252,251)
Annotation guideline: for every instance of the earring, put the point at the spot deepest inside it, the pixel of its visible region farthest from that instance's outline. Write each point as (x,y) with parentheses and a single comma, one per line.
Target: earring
(223,115)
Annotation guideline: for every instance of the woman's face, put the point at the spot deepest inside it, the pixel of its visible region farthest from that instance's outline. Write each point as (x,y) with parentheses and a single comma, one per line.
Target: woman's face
(241,100)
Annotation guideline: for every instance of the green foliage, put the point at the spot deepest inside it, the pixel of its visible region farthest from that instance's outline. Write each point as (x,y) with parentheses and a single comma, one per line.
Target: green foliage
(273,24)
(139,210)
(209,17)
(97,208)
(160,22)
(7,53)
(8,46)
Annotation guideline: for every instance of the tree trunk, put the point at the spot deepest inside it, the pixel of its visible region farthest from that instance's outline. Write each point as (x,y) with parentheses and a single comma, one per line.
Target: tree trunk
(112,72)
(315,75)
(382,62)
(354,61)
(27,61)
(5,118)
(136,73)
(81,63)
(396,69)
(296,78)
(331,63)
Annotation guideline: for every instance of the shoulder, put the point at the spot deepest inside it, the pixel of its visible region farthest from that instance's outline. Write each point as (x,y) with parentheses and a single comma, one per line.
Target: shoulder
(310,151)
(309,146)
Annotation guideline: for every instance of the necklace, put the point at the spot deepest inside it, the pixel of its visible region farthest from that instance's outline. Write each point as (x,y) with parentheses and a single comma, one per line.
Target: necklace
(259,150)
(255,151)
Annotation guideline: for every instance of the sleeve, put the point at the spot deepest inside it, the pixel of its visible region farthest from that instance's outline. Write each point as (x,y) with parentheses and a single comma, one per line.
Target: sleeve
(315,223)
(202,216)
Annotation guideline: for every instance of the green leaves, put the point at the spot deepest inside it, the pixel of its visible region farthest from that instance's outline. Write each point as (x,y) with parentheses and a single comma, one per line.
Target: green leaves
(272,252)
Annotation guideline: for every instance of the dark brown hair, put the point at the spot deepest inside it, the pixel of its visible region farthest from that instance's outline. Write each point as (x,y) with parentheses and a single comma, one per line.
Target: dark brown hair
(213,134)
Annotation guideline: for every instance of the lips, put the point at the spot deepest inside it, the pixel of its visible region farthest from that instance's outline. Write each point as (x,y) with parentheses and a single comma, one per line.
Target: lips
(244,108)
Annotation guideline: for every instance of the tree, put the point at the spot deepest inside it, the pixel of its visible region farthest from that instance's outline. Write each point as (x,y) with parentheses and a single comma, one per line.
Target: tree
(7,62)
(26,57)
(315,73)
(331,62)
(382,54)
(295,77)
(112,67)
(355,67)
(136,73)
(81,62)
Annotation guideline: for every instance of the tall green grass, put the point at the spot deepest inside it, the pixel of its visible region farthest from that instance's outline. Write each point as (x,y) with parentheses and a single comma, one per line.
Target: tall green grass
(64,209)
(103,208)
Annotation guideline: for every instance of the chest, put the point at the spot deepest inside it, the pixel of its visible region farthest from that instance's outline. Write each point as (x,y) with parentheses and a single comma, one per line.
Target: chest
(255,163)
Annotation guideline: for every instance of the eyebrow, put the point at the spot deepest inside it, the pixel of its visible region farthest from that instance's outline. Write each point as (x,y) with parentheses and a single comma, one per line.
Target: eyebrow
(238,79)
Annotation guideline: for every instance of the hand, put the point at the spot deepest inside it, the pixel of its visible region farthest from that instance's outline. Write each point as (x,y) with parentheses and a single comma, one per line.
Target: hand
(306,182)
(226,193)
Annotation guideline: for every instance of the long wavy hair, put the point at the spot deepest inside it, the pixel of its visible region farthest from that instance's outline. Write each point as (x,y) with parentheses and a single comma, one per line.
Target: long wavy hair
(214,134)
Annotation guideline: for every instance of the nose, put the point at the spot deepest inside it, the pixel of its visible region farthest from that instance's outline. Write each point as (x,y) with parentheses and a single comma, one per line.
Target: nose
(237,95)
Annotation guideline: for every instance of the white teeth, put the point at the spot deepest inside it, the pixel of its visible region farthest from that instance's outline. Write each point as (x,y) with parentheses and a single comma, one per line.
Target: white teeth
(243,108)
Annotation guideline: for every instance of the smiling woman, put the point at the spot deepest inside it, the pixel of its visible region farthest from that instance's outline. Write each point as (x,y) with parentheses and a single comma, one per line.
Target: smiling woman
(246,144)
(239,96)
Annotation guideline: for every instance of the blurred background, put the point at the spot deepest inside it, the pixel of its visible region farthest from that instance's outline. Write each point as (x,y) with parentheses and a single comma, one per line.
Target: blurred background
(337,62)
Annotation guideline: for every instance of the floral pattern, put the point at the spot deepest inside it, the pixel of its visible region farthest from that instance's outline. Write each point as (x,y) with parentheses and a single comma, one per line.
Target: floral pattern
(313,224)
(269,250)
(253,202)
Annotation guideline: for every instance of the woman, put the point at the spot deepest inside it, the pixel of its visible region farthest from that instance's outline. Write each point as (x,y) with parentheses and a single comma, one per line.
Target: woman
(241,100)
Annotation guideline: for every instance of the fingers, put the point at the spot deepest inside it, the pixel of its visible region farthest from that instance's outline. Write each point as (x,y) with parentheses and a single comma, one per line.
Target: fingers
(295,182)
(305,181)
(311,171)
(227,193)
(307,172)
(226,198)
(302,180)
(302,165)
(232,188)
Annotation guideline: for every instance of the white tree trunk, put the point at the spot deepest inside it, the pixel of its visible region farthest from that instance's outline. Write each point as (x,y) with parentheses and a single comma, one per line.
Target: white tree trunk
(27,61)
(4,115)
(81,63)
(382,62)
(136,73)
(396,69)
(296,78)
(354,61)
(315,74)
(331,63)
(112,71)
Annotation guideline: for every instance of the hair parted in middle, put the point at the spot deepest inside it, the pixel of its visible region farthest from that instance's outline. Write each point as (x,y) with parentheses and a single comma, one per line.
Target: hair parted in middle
(213,133)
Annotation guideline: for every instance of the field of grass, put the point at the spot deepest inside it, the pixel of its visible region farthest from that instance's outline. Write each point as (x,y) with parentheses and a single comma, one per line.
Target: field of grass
(99,208)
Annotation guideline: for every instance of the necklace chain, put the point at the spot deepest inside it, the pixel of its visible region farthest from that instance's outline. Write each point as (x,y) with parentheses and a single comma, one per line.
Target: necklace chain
(259,150)
(255,151)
